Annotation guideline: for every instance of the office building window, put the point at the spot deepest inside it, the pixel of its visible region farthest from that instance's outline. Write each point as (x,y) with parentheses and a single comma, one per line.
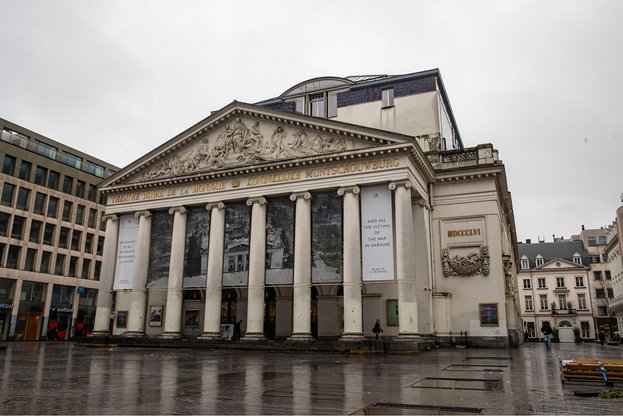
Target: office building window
(44,266)
(527,284)
(35,231)
(71,160)
(12,260)
(75,240)
(86,266)
(542,284)
(39,207)
(529,305)
(67,207)
(80,185)
(582,301)
(88,243)
(23,198)
(63,237)
(60,264)
(8,167)
(17,230)
(79,214)
(52,207)
(68,184)
(31,255)
(100,245)
(45,149)
(579,281)
(41,175)
(92,217)
(543,302)
(4,224)
(73,264)
(388,97)
(92,193)
(8,191)
(97,270)
(24,170)
(53,180)
(48,234)
(560,282)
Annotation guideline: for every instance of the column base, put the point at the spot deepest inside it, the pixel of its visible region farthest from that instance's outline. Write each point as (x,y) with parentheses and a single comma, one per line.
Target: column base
(134,334)
(99,334)
(356,336)
(209,336)
(170,335)
(413,337)
(301,338)
(257,336)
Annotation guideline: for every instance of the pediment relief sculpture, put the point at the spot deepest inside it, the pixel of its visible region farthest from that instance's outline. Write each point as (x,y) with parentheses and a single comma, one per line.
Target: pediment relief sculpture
(244,142)
(470,265)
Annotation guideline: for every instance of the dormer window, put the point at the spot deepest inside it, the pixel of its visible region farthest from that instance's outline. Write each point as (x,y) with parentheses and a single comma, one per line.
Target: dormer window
(539,260)
(525,264)
(577,259)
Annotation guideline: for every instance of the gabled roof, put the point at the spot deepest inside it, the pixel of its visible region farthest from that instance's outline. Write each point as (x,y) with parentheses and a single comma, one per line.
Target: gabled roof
(560,250)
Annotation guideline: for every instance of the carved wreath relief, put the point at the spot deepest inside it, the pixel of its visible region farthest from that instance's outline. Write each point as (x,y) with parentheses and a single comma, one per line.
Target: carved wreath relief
(236,144)
(470,265)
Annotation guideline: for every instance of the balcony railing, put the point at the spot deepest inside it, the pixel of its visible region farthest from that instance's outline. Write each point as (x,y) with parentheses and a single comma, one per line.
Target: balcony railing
(568,311)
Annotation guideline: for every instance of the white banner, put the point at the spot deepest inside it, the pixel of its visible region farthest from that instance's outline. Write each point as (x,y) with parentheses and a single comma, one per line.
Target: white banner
(377,236)
(126,252)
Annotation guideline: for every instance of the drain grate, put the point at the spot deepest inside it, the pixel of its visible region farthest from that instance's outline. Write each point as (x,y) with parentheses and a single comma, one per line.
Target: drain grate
(490,368)
(447,383)
(415,409)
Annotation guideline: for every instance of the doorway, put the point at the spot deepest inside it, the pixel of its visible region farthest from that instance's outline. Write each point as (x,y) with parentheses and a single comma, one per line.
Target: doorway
(270,312)
(27,327)
(314,312)
(565,332)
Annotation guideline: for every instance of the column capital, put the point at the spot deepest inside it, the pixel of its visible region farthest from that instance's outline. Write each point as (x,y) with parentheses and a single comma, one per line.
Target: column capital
(112,217)
(213,205)
(257,200)
(422,202)
(397,184)
(145,214)
(305,195)
(354,189)
(181,210)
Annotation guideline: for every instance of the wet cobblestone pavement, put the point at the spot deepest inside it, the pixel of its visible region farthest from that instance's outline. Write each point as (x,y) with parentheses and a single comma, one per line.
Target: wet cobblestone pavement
(61,378)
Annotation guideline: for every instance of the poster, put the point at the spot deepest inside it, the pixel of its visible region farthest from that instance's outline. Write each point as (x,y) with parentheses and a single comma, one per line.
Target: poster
(196,247)
(377,234)
(122,319)
(155,315)
(160,250)
(126,252)
(392,312)
(488,314)
(326,238)
(280,242)
(236,256)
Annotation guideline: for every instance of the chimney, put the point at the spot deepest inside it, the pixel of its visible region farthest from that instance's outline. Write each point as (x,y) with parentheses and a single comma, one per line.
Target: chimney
(582,227)
(528,241)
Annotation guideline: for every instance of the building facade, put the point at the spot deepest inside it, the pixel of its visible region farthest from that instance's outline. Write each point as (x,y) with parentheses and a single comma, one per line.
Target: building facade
(553,283)
(602,291)
(311,215)
(615,264)
(51,240)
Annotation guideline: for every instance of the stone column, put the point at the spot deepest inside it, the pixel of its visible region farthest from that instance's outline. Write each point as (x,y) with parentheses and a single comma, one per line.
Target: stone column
(107,277)
(138,299)
(74,313)
(257,269)
(301,320)
(46,309)
(214,280)
(423,266)
(405,264)
(173,311)
(353,314)
(17,294)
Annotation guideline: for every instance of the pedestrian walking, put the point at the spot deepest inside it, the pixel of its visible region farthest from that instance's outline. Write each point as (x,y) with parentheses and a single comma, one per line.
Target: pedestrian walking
(377,329)
(547,331)
(602,337)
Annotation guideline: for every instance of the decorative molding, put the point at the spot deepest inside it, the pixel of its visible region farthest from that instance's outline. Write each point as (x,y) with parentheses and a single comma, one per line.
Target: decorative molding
(509,279)
(306,195)
(258,200)
(181,210)
(394,185)
(145,214)
(471,265)
(213,205)
(422,202)
(112,217)
(354,189)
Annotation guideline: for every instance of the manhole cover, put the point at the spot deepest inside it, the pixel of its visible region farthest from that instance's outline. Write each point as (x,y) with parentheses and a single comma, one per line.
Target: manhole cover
(458,384)
(415,409)
(476,367)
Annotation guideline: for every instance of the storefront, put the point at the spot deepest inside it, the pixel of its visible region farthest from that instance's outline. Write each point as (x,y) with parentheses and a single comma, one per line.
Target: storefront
(61,312)
(29,324)
(7,287)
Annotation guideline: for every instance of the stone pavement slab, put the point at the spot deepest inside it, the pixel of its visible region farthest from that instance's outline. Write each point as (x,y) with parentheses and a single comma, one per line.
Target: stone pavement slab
(62,378)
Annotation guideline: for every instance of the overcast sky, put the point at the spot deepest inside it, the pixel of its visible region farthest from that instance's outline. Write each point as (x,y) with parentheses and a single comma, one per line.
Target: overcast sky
(541,80)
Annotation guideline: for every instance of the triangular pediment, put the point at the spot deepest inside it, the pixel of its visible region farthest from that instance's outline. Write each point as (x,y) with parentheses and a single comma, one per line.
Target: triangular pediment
(242,135)
(560,264)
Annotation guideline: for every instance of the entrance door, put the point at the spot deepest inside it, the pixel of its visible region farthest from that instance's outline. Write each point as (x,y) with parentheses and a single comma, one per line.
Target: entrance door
(314,312)
(270,312)
(565,332)
(27,326)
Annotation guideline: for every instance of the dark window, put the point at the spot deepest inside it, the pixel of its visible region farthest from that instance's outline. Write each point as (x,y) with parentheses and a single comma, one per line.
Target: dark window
(48,234)
(45,149)
(52,207)
(73,264)
(92,217)
(71,160)
(602,311)
(35,231)
(597,275)
(594,258)
(98,268)
(60,263)
(41,175)
(63,237)
(79,214)
(80,189)
(45,262)
(86,265)
(31,255)
(68,184)
(63,295)
(67,206)
(24,170)
(75,240)
(23,197)
(610,292)
(592,241)
(12,259)
(91,194)
(4,224)
(102,199)
(7,194)
(53,180)
(88,243)
(8,167)
(603,240)
(600,293)
(608,275)
(39,207)
(100,245)
(17,231)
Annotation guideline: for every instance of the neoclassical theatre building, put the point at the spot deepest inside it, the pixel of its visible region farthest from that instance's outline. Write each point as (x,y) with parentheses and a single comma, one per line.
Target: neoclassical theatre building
(310,216)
